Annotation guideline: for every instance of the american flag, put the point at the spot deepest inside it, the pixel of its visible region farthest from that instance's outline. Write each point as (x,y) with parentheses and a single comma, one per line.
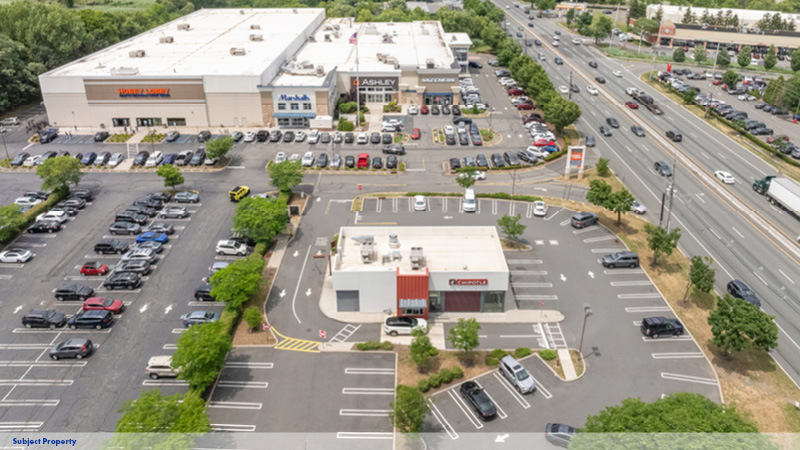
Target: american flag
(354,38)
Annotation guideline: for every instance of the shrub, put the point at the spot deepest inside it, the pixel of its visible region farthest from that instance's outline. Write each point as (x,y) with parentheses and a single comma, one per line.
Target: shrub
(555,155)
(522,352)
(345,125)
(154,137)
(494,357)
(348,107)
(253,317)
(548,354)
(119,137)
(285,197)
(424,385)
(457,372)
(260,249)
(602,167)
(29,216)
(435,380)
(374,345)
(447,375)
(229,319)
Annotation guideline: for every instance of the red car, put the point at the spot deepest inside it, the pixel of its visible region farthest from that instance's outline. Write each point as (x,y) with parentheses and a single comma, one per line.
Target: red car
(716,82)
(516,91)
(94,268)
(543,142)
(526,106)
(423,109)
(104,303)
(415,134)
(632,105)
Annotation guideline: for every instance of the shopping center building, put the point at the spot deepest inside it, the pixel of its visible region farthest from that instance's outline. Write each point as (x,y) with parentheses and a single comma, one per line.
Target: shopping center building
(232,68)
(415,271)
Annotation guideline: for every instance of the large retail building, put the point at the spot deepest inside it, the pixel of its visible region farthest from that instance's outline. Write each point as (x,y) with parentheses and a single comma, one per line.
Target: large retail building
(414,271)
(255,67)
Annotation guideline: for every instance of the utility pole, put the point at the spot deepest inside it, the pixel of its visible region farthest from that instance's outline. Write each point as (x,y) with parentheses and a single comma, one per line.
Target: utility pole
(671,191)
(587,311)
(3,136)
(569,95)
(663,201)
(513,181)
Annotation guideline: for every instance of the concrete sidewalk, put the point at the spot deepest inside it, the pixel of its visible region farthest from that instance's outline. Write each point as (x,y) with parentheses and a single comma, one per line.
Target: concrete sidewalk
(566,364)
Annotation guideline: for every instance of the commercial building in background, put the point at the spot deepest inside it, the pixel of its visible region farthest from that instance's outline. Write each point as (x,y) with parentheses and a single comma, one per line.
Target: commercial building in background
(254,67)
(746,18)
(415,271)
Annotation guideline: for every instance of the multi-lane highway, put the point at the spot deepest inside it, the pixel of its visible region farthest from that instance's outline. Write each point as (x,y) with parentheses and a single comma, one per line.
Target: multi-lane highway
(747,237)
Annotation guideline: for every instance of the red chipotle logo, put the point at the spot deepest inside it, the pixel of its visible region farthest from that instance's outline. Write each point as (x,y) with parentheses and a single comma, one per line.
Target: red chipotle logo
(469,282)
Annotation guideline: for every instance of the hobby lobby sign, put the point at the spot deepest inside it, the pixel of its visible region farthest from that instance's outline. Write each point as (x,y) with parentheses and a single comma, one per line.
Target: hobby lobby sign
(143,92)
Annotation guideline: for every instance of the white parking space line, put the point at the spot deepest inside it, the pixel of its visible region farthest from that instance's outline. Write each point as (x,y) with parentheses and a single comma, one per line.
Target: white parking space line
(502,414)
(524,403)
(584,230)
(368,391)
(206,304)
(43,331)
(532,285)
(606,250)
(542,389)
(524,261)
(41,364)
(244,384)
(536,297)
(365,412)
(248,365)
(641,309)
(641,295)
(370,371)
(178,330)
(164,383)
(759,277)
(363,435)
(234,405)
(668,339)
(345,333)
(24,346)
(464,409)
(554,214)
(56,383)
(528,273)
(11,266)
(21,426)
(232,427)
(623,271)
(599,238)
(30,402)
(442,421)
(689,378)
(30,244)
(631,283)
(5,277)
(678,355)
(565,222)
(170,347)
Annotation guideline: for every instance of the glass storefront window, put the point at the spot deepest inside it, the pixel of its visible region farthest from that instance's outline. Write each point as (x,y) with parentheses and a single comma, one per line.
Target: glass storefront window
(295,106)
(176,121)
(435,301)
(281,106)
(493,301)
(148,121)
(125,122)
(307,106)
(412,312)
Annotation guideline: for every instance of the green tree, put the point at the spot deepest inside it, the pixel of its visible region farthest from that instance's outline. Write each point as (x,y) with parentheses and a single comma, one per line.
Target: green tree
(723,59)
(260,218)
(286,175)
(770,60)
(620,202)
(200,354)
(561,112)
(464,336)
(172,177)
(737,325)
(253,317)
(602,167)
(421,349)
(466,176)
(59,173)
(585,19)
(678,55)
(156,421)
(237,283)
(701,275)
(570,16)
(365,15)
(599,192)
(219,147)
(790,94)
(11,219)
(408,409)
(659,241)
(689,96)
(795,60)
(730,78)
(773,94)
(545,5)
(743,58)
(18,79)
(511,226)
(602,28)
(700,54)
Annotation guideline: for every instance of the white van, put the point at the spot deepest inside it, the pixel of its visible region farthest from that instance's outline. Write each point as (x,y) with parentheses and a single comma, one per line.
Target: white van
(470,204)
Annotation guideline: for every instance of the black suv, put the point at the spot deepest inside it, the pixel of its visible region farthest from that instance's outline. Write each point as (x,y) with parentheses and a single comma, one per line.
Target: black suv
(44,318)
(242,239)
(203,293)
(123,280)
(262,135)
(44,226)
(662,168)
(163,196)
(739,289)
(73,291)
(149,212)
(675,135)
(94,318)
(140,158)
(583,219)
(148,202)
(656,326)
(111,246)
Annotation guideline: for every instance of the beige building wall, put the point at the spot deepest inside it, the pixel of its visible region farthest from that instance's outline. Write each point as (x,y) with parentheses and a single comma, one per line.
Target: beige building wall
(237,110)
(267,108)
(321,102)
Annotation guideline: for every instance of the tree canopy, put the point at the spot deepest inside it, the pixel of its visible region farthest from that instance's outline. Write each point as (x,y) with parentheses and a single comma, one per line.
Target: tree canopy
(409,409)
(737,325)
(200,354)
(172,177)
(60,172)
(286,175)
(260,219)
(659,241)
(236,283)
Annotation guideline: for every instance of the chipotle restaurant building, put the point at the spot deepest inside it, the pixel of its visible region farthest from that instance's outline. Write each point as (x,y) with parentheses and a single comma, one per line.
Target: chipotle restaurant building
(416,271)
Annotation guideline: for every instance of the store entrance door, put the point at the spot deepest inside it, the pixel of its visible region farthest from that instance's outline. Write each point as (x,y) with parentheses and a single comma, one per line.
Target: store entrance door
(456,301)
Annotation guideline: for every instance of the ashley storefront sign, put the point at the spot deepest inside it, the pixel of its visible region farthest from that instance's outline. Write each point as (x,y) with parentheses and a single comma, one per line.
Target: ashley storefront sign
(294,98)
(469,282)
(438,80)
(390,82)
(143,92)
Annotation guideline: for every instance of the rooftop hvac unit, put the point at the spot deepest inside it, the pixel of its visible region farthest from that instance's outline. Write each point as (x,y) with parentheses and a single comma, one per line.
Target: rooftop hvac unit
(394,242)
(364,239)
(430,63)
(417,258)
(371,28)
(312,39)
(327,27)
(125,71)
(391,60)
(136,54)
(166,40)
(183,26)
(255,26)
(257,37)
(337,34)
(379,56)
(387,38)
(237,51)
(424,31)
(367,253)
(320,71)
(336,26)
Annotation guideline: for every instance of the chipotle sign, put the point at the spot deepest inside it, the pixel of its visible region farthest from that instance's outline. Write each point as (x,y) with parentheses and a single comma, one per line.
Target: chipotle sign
(469,282)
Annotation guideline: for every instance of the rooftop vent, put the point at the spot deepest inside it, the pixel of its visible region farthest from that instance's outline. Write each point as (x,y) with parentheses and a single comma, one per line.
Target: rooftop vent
(387,38)
(312,39)
(255,26)
(257,37)
(184,26)
(241,11)
(394,242)
(417,258)
(125,71)
(367,253)
(237,51)
(320,71)
(371,28)
(166,40)
(430,63)
(327,37)
(136,54)
(364,239)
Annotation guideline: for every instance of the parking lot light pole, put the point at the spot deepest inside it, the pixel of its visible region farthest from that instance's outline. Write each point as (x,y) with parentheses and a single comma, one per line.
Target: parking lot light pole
(587,311)
(3,136)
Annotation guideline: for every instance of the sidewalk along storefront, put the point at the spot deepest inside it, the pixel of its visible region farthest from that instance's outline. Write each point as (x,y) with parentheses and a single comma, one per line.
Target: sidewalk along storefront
(415,271)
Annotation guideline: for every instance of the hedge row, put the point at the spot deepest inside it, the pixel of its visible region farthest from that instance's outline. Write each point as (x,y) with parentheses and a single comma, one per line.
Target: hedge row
(29,216)
(548,354)
(555,155)
(494,357)
(507,196)
(375,345)
(444,376)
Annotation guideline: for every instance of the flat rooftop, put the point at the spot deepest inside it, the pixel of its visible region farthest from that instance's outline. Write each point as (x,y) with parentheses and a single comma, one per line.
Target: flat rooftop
(737,38)
(203,49)
(446,249)
(410,45)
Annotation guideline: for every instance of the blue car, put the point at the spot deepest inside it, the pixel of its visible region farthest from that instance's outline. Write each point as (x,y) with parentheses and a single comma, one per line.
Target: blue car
(152,236)
(170,158)
(550,148)
(88,159)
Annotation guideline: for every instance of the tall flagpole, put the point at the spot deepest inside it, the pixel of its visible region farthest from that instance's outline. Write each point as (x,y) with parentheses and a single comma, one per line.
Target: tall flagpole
(358,87)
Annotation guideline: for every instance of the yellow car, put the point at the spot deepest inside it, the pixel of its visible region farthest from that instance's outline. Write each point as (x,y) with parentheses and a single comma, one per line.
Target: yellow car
(238,193)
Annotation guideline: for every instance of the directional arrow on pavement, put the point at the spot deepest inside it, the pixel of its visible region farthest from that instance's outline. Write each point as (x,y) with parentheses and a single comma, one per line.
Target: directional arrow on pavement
(16,310)
(308,292)
(501,437)
(563,278)
(283,292)
(591,274)
(143,308)
(318,199)
(295,253)
(167,309)
(448,217)
(540,189)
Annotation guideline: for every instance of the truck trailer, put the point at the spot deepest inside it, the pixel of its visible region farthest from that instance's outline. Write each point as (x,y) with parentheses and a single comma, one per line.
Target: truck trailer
(780,191)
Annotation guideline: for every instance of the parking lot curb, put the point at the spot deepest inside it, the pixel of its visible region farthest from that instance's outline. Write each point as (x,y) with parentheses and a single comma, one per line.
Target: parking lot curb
(495,141)
(352,172)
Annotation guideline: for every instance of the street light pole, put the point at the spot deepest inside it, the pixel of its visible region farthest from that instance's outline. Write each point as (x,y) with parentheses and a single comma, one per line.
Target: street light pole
(587,311)
(3,136)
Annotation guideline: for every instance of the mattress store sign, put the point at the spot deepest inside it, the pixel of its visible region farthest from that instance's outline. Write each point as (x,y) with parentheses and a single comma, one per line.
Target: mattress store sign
(469,282)
(143,92)
(390,82)
(294,98)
